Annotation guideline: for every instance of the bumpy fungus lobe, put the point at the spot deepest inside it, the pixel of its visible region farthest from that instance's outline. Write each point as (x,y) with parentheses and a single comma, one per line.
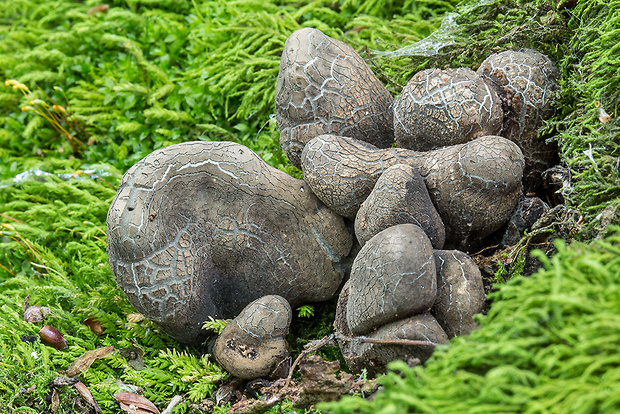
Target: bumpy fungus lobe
(460,292)
(202,229)
(445,107)
(375,357)
(526,81)
(393,277)
(474,186)
(527,212)
(325,87)
(254,344)
(399,197)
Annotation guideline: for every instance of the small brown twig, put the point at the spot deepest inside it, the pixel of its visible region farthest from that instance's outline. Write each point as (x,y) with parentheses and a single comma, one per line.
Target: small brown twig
(404,342)
(329,341)
(310,347)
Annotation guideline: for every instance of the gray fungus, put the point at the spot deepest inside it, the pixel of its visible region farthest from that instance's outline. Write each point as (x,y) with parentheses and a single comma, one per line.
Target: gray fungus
(208,229)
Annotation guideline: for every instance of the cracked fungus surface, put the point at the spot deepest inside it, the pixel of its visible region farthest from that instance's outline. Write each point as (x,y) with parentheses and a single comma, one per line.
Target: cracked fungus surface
(253,345)
(445,107)
(325,87)
(474,186)
(399,197)
(203,228)
(460,292)
(393,277)
(526,81)
(375,357)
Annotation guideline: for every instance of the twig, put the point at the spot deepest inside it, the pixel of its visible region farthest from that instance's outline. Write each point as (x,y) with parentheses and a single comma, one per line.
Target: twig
(329,340)
(311,347)
(405,342)
(173,403)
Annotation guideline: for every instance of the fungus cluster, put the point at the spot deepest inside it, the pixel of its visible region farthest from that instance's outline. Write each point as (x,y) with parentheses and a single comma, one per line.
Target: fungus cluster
(208,229)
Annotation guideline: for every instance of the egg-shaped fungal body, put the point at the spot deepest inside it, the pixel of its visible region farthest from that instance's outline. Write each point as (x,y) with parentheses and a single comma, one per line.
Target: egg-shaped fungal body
(399,197)
(325,87)
(202,229)
(254,344)
(360,353)
(460,292)
(438,108)
(393,277)
(526,81)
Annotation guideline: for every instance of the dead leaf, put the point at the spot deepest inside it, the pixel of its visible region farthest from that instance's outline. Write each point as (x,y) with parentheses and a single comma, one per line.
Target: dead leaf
(55,401)
(321,381)
(135,403)
(87,396)
(94,325)
(84,362)
(100,8)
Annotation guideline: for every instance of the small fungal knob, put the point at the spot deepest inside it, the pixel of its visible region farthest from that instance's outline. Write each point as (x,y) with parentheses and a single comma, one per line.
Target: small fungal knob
(253,345)
(399,197)
(460,292)
(445,107)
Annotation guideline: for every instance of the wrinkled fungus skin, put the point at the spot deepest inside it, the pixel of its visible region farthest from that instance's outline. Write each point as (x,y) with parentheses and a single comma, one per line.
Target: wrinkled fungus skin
(399,197)
(526,81)
(445,107)
(375,357)
(325,87)
(202,229)
(254,344)
(393,277)
(474,186)
(460,292)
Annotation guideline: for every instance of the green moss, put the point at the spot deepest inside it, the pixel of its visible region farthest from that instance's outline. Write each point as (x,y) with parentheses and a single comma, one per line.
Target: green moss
(591,75)
(145,75)
(547,345)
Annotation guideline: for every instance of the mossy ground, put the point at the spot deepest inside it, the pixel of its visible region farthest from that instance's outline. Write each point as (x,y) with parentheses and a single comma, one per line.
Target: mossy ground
(146,74)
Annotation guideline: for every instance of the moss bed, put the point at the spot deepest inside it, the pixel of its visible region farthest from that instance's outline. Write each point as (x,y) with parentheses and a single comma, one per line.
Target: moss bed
(138,75)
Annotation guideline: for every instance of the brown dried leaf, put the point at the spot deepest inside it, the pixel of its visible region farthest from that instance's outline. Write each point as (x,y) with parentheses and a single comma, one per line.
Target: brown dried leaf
(87,396)
(135,403)
(100,8)
(55,401)
(94,325)
(84,362)
(321,381)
